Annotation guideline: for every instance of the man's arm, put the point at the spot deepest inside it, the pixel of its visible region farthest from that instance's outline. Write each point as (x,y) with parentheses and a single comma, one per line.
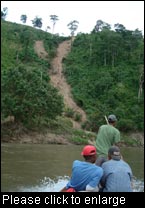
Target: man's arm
(93,185)
(92,189)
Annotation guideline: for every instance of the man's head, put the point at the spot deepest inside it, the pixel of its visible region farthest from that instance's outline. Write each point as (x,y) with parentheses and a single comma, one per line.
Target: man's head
(89,153)
(112,119)
(114,153)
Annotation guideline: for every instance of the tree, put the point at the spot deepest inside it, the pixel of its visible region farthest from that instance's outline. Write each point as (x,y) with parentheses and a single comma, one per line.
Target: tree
(28,95)
(47,28)
(137,33)
(73,26)
(111,65)
(141,82)
(23,18)
(4,13)
(119,28)
(37,22)
(26,37)
(54,18)
(101,25)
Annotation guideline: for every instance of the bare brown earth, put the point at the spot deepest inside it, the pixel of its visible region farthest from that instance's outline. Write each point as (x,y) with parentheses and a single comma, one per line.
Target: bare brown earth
(39,49)
(58,79)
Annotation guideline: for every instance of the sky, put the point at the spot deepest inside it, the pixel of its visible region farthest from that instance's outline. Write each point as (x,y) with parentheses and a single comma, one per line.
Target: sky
(128,13)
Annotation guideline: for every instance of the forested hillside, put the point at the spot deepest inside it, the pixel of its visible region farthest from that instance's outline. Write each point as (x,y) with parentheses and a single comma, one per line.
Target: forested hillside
(106,72)
(26,90)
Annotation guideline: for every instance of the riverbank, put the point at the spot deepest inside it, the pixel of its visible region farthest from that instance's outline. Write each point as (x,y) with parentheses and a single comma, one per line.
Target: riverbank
(61,132)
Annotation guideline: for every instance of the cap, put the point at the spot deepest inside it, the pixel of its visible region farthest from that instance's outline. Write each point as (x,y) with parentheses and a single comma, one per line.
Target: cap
(89,150)
(112,118)
(114,152)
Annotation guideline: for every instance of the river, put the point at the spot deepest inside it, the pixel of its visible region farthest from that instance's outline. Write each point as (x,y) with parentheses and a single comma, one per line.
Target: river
(47,167)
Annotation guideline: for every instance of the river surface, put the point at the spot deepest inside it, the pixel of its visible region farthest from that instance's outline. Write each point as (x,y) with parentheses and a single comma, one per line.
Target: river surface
(47,167)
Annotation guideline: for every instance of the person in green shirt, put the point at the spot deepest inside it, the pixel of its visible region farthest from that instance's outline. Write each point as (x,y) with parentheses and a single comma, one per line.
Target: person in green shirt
(107,136)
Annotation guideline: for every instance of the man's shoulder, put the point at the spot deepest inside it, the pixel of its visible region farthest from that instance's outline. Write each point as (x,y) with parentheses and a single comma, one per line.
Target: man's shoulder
(125,163)
(113,162)
(115,129)
(81,163)
(77,162)
(98,168)
(108,126)
(108,163)
(104,126)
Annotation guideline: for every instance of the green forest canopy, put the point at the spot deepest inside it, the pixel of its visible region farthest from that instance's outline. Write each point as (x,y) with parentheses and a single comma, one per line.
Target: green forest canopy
(104,68)
(106,73)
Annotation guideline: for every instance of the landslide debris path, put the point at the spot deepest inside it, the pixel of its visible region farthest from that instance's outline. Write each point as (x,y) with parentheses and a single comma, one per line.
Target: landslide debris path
(58,79)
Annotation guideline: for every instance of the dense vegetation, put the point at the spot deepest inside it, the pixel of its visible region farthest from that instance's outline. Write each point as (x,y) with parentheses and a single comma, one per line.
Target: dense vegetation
(25,84)
(106,72)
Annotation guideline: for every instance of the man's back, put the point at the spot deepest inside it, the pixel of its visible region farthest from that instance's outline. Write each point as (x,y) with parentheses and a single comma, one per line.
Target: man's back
(83,174)
(117,176)
(107,136)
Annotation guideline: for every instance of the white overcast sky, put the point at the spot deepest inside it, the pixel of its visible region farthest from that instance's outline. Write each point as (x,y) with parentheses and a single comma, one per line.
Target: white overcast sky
(128,13)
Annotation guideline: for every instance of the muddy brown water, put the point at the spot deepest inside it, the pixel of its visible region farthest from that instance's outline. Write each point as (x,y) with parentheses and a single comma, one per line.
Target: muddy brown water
(47,168)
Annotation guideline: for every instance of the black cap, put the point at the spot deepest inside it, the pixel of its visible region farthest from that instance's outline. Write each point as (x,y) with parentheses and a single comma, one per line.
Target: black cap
(114,152)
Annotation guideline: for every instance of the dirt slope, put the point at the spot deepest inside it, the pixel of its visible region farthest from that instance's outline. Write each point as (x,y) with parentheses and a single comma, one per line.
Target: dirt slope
(57,77)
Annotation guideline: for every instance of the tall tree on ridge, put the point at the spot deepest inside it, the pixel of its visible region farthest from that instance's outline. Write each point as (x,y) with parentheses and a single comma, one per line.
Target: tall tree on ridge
(37,22)
(73,26)
(54,18)
(23,18)
(4,13)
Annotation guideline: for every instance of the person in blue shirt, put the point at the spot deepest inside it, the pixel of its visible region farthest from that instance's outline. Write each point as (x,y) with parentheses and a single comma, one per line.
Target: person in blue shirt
(85,174)
(117,174)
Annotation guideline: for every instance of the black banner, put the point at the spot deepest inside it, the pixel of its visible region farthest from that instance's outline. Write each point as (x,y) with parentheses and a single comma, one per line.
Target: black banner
(72,200)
